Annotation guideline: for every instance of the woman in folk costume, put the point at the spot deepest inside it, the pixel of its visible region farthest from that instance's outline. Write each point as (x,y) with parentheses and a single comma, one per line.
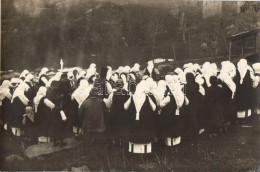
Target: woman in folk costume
(256,85)
(78,97)
(207,73)
(56,125)
(81,75)
(142,107)
(92,70)
(31,93)
(41,118)
(226,76)
(214,106)
(71,81)
(43,78)
(192,110)
(244,91)
(202,111)
(151,71)
(113,79)
(19,102)
(171,115)
(117,119)
(5,103)
(24,74)
(106,87)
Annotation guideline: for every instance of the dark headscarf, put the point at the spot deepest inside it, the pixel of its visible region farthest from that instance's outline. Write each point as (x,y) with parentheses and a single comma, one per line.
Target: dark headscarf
(190,78)
(213,80)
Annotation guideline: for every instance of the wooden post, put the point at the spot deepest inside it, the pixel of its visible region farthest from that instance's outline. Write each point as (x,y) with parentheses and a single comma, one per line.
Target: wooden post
(242,50)
(229,50)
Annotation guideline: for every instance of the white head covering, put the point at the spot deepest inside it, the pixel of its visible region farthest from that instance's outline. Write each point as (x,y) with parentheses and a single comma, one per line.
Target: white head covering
(40,94)
(56,77)
(16,82)
(214,69)
(28,78)
(70,76)
(178,70)
(82,74)
(19,92)
(200,81)
(5,91)
(139,97)
(159,92)
(43,71)
(127,69)
(82,92)
(24,73)
(176,90)
(135,68)
(150,66)
(91,70)
(256,67)
(120,69)
(242,69)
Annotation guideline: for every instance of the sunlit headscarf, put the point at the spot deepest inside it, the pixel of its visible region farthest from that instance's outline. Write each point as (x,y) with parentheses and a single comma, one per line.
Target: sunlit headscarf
(40,94)
(82,92)
(5,91)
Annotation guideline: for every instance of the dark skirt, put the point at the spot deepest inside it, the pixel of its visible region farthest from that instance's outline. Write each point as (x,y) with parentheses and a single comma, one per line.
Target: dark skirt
(6,110)
(57,126)
(18,110)
(141,132)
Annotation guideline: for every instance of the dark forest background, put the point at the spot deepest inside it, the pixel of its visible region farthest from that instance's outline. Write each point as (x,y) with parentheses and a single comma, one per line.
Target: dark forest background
(112,34)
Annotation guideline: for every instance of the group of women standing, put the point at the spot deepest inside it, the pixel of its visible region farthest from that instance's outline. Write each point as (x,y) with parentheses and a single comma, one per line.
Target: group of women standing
(128,104)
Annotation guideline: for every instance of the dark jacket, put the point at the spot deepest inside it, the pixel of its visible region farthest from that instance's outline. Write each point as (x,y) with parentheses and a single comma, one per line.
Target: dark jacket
(92,112)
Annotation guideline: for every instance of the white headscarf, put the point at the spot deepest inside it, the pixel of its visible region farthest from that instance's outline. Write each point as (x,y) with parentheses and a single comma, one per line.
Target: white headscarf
(5,91)
(56,77)
(29,78)
(91,70)
(139,97)
(161,88)
(24,73)
(150,66)
(135,68)
(127,69)
(200,81)
(256,67)
(40,94)
(82,92)
(82,74)
(242,69)
(43,71)
(176,90)
(19,92)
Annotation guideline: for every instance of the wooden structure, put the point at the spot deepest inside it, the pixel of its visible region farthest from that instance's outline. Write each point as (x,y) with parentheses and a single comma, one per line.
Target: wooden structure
(242,36)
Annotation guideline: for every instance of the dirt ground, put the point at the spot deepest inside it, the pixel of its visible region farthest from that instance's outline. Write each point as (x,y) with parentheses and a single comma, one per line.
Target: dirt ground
(238,149)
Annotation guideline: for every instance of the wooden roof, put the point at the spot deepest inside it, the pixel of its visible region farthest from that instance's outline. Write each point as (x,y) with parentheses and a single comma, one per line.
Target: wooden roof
(243,34)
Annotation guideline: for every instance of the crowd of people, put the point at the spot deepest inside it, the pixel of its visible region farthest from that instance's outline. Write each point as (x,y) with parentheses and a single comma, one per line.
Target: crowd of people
(129,104)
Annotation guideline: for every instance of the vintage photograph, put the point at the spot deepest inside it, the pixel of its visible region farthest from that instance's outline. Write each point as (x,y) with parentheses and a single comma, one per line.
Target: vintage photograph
(130,85)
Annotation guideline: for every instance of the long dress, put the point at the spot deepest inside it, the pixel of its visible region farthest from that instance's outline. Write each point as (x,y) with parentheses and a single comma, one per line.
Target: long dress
(244,92)
(118,119)
(6,110)
(18,110)
(143,130)
(214,106)
(191,111)
(172,124)
(42,119)
(229,106)
(56,125)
